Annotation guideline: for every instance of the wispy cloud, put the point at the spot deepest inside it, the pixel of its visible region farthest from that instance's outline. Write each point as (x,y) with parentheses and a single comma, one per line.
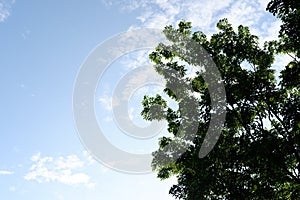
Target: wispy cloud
(64,170)
(203,14)
(25,33)
(6,172)
(89,158)
(106,102)
(5,9)
(4,13)
(136,59)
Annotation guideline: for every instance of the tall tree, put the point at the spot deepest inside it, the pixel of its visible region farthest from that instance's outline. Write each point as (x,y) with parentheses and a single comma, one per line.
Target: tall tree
(257,155)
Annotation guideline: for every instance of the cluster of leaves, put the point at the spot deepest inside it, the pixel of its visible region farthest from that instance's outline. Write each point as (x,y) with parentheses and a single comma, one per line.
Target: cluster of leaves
(258,153)
(288,11)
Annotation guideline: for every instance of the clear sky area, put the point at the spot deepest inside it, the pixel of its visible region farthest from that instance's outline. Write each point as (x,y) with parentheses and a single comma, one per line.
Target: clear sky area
(43,45)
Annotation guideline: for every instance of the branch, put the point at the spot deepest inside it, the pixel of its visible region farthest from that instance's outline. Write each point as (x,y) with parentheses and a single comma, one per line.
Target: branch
(287,131)
(292,57)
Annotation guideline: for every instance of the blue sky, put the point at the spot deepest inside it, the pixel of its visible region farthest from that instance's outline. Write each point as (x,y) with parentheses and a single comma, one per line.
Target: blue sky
(43,44)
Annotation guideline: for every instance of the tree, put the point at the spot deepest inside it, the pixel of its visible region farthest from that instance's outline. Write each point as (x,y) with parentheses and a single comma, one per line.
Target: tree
(289,13)
(257,155)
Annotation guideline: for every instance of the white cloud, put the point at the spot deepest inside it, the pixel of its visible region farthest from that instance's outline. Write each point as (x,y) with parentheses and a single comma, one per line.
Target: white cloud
(203,14)
(106,102)
(4,13)
(26,33)
(141,78)
(245,13)
(89,158)
(6,172)
(271,30)
(62,169)
(131,113)
(5,9)
(136,59)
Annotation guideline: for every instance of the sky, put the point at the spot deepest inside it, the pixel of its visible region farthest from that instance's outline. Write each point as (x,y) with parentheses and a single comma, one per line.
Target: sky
(43,45)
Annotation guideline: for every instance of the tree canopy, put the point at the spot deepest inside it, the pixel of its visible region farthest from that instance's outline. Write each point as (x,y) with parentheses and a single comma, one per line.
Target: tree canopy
(257,155)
